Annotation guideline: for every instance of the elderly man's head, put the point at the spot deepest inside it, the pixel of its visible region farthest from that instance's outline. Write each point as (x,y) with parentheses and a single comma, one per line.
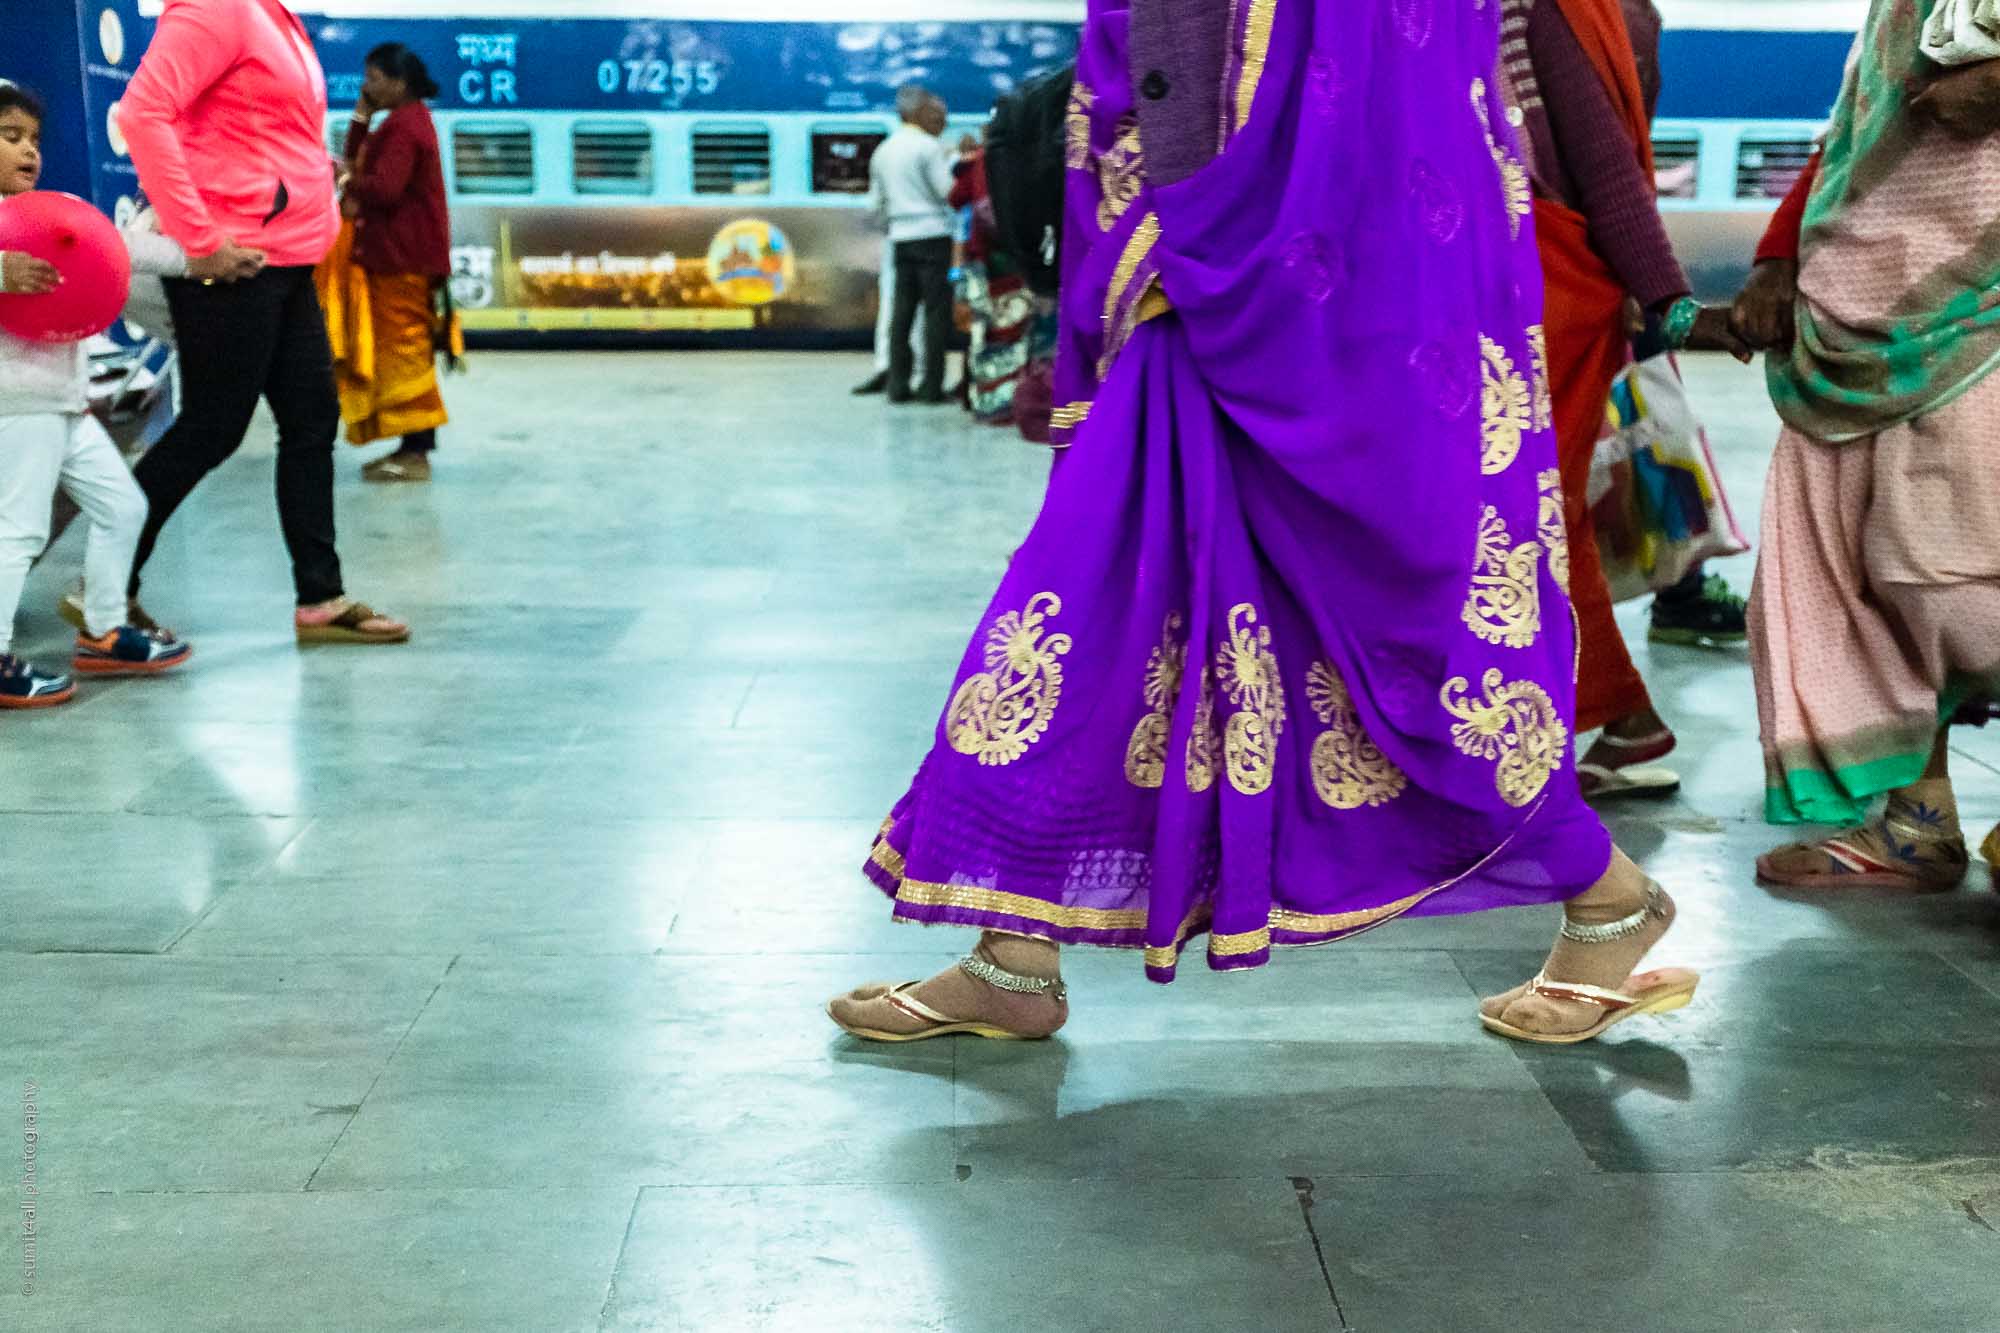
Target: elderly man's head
(912,100)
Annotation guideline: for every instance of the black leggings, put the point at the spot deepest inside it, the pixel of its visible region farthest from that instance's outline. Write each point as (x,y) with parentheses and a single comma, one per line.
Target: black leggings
(261,338)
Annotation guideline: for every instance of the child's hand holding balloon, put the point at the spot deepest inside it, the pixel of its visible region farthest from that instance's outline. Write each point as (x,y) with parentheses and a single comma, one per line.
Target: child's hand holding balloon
(25,275)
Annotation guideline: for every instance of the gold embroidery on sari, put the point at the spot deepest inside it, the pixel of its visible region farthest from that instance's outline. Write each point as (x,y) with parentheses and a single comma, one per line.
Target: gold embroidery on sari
(1069,416)
(887,857)
(1515,195)
(1544,415)
(1076,127)
(997,714)
(1348,769)
(1238,944)
(1515,725)
(973,898)
(1146,753)
(1120,171)
(1247,671)
(1256,52)
(1503,408)
(1551,527)
(1204,747)
(1120,314)
(1505,604)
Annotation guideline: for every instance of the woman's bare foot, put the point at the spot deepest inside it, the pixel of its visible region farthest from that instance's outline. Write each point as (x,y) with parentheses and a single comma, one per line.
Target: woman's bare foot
(1606,931)
(1010,986)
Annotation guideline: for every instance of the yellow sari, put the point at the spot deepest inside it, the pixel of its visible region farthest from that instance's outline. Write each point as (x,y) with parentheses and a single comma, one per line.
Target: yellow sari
(384,330)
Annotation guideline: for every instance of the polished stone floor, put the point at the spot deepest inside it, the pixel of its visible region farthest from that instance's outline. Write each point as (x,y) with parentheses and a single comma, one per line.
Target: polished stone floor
(476,985)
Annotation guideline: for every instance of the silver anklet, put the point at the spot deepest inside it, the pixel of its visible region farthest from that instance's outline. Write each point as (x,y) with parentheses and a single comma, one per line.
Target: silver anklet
(1624,928)
(1001,979)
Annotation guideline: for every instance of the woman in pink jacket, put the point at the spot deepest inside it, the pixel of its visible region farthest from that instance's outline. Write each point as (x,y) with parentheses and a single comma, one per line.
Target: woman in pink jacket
(224,121)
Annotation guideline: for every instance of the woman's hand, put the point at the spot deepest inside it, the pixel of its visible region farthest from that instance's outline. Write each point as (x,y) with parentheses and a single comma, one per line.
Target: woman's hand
(231,263)
(350,208)
(1712,333)
(1762,314)
(25,275)
(364,109)
(1965,102)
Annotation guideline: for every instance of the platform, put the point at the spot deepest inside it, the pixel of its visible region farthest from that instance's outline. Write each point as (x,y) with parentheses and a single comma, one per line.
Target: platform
(476,985)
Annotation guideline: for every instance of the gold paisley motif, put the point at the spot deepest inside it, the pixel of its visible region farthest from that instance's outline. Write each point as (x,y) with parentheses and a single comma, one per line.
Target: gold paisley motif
(1515,195)
(1204,747)
(1119,172)
(1146,753)
(1247,671)
(1505,604)
(1515,725)
(1538,372)
(1348,770)
(1076,127)
(1503,408)
(997,714)
(1551,526)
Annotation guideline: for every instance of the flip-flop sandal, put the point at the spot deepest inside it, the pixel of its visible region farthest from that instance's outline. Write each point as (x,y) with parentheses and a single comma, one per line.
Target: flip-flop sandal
(1990,849)
(347,628)
(1849,867)
(1657,992)
(941,1025)
(900,999)
(1640,782)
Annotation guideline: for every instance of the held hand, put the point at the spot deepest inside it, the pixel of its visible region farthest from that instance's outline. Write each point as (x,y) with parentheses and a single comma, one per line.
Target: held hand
(1965,102)
(1762,314)
(1712,333)
(350,207)
(1635,317)
(28,276)
(229,264)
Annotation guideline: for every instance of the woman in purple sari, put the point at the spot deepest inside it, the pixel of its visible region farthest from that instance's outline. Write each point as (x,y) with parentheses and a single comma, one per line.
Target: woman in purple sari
(1288,653)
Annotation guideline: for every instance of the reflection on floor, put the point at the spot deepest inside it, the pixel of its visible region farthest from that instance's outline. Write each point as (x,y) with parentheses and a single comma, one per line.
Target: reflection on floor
(475,985)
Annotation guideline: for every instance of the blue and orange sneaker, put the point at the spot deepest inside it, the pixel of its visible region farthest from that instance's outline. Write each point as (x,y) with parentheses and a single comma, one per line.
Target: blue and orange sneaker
(130,651)
(24,685)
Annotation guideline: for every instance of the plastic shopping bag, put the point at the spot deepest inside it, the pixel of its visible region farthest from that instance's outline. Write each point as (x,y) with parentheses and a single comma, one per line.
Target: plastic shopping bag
(1655,494)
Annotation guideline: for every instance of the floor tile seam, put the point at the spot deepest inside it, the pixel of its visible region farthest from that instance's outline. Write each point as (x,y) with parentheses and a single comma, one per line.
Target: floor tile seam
(1990,985)
(230,884)
(376,1082)
(604,1306)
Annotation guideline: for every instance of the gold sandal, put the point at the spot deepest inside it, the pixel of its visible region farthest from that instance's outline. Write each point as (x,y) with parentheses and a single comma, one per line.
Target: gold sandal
(1658,992)
(900,999)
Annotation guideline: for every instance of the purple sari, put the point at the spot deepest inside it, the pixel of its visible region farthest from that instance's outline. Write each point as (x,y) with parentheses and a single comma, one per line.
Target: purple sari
(1288,652)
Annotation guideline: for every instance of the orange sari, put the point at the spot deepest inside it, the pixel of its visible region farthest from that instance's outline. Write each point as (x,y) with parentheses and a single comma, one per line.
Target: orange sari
(383,327)
(1588,346)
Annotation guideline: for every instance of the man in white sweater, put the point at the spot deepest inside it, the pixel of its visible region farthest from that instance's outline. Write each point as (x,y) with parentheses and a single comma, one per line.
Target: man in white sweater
(48,439)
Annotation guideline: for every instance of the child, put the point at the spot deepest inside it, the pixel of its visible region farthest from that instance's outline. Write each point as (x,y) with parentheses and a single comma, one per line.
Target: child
(48,439)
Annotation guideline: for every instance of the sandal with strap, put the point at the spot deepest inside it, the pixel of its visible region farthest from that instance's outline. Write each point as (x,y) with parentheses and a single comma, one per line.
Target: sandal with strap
(358,623)
(1657,992)
(1900,849)
(900,1000)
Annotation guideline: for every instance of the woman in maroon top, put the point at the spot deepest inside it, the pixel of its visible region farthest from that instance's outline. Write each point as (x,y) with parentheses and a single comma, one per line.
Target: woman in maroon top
(401,243)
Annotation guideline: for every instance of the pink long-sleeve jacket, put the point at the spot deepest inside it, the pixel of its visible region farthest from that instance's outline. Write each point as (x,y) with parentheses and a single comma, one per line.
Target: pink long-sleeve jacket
(225,119)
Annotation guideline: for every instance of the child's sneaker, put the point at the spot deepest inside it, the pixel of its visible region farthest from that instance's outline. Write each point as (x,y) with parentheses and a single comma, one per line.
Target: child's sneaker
(23,685)
(130,651)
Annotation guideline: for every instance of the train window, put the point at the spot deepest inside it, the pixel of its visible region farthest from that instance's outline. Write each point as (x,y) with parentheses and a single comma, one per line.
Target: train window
(493,158)
(612,157)
(1677,165)
(840,156)
(1768,168)
(732,159)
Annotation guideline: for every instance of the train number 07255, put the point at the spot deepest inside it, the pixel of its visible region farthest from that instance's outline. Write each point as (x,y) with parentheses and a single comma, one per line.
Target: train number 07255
(659,78)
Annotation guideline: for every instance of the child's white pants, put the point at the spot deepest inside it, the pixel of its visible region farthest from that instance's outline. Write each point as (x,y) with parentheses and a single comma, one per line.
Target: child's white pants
(38,454)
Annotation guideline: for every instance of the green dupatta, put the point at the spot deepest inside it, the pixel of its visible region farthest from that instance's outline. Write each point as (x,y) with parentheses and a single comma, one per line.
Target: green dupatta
(1939,336)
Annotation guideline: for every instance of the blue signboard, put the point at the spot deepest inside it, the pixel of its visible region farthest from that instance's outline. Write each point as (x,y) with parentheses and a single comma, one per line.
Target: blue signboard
(677,65)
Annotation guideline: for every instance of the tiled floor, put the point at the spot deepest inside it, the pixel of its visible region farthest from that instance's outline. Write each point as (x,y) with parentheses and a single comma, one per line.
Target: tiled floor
(476,985)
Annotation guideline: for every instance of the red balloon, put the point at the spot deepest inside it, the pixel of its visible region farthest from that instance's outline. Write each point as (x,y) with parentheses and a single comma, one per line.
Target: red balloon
(85,248)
